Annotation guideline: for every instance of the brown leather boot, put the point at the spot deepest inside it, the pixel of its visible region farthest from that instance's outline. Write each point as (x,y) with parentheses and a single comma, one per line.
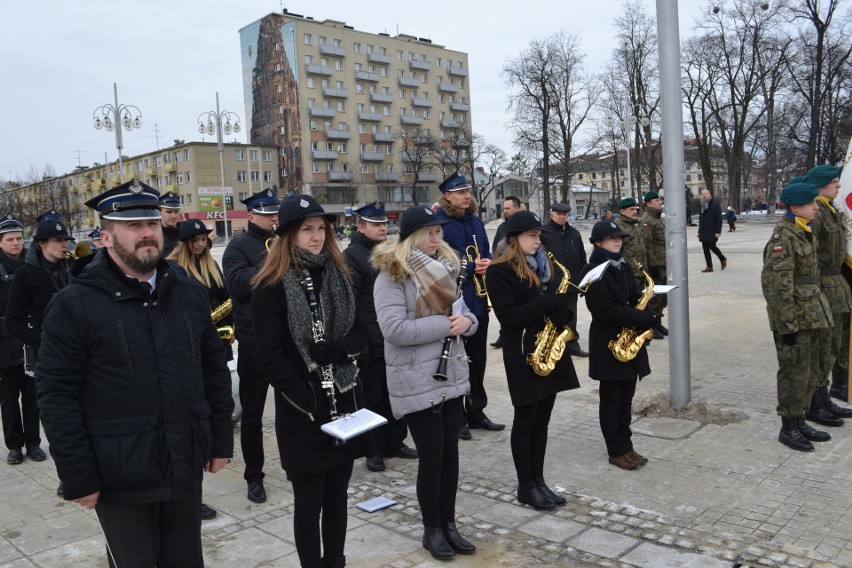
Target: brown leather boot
(637,457)
(624,462)
(708,269)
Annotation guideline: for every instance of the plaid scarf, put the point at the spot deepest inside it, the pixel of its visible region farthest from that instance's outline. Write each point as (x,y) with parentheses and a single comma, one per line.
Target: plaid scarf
(435,279)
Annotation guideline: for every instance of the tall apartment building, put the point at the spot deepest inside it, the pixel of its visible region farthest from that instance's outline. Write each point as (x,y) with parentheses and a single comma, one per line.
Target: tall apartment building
(356,115)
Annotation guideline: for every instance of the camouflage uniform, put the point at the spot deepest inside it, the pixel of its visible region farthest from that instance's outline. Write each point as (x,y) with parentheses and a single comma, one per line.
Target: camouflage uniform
(831,250)
(654,229)
(795,304)
(633,246)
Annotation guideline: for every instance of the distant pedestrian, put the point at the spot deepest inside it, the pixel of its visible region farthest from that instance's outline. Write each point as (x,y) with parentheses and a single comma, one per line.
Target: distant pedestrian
(710,229)
(731,219)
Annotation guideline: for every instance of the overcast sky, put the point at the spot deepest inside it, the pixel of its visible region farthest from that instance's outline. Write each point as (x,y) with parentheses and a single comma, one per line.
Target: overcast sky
(59,60)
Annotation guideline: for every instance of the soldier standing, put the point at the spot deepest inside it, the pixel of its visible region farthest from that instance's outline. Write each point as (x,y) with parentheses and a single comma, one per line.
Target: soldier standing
(633,245)
(797,310)
(655,246)
(170,210)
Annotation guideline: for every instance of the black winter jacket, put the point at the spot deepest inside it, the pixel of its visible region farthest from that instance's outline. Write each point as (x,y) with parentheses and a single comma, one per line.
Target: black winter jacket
(171,238)
(357,256)
(134,390)
(566,245)
(11,348)
(611,302)
(242,259)
(521,310)
(710,222)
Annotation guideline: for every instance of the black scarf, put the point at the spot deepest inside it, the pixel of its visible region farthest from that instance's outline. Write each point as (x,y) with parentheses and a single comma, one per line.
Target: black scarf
(337,306)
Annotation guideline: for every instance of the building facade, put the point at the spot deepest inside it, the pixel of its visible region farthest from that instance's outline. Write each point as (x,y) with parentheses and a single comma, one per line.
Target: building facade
(357,116)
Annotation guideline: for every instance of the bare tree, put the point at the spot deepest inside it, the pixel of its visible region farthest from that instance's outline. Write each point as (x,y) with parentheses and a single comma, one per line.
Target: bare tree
(421,153)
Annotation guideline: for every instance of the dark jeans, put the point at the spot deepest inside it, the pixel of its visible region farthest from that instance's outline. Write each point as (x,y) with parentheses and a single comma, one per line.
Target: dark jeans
(325,495)
(253,390)
(529,438)
(20,420)
(476,347)
(375,386)
(615,409)
(166,534)
(709,246)
(436,436)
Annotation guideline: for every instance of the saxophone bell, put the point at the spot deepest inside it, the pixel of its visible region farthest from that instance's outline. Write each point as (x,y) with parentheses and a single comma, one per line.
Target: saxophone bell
(629,340)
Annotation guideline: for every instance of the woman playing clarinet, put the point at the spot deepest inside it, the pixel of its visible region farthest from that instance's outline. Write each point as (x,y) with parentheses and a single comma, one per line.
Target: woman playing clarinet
(414,295)
(517,279)
(313,377)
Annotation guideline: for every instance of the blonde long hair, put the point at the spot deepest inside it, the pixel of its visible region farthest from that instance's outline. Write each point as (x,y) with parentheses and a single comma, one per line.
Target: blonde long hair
(209,273)
(512,254)
(282,254)
(402,249)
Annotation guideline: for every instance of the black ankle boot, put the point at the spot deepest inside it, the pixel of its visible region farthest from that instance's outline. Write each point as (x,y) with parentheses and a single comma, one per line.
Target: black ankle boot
(810,432)
(530,494)
(457,541)
(829,404)
(791,437)
(339,562)
(820,414)
(557,499)
(839,385)
(436,543)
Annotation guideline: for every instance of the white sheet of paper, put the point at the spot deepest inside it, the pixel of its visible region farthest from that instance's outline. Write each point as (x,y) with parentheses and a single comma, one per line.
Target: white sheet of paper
(663,288)
(593,274)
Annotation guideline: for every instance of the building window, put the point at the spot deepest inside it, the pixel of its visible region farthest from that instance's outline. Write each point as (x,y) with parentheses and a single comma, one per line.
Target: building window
(279,88)
(241,176)
(253,155)
(240,154)
(309,83)
(255,176)
(308,39)
(364,168)
(180,179)
(342,148)
(359,88)
(322,40)
(267,176)
(341,106)
(338,64)
(399,54)
(315,167)
(313,125)
(361,128)
(267,156)
(188,177)
(309,59)
(356,47)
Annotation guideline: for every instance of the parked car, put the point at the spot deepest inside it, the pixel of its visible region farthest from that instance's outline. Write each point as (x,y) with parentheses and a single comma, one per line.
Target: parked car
(393,229)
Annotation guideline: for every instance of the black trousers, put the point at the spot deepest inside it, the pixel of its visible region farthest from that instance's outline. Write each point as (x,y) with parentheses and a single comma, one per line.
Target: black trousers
(615,412)
(253,390)
(325,495)
(373,375)
(476,347)
(19,409)
(165,534)
(529,438)
(709,246)
(436,436)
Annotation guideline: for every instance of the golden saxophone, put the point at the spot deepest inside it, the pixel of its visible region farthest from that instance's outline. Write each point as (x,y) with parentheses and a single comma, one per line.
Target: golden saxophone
(629,341)
(550,342)
(221,312)
(478,279)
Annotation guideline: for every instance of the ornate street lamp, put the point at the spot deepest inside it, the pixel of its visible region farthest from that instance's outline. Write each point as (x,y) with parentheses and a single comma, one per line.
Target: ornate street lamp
(114,117)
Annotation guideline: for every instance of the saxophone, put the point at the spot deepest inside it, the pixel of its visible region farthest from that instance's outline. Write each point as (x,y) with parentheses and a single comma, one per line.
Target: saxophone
(629,341)
(222,310)
(550,342)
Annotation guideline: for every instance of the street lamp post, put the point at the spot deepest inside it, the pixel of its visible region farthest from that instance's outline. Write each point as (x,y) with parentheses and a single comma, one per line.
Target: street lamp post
(627,125)
(114,117)
(218,122)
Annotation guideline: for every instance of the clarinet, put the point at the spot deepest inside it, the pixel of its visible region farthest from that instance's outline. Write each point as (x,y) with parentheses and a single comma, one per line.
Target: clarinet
(318,330)
(441,373)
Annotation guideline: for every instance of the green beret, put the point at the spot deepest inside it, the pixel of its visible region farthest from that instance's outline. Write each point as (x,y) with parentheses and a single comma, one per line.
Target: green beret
(651,195)
(627,202)
(799,193)
(822,174)
(798,179)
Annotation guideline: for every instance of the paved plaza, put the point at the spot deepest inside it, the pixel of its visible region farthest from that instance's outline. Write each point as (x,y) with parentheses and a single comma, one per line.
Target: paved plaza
(719,490)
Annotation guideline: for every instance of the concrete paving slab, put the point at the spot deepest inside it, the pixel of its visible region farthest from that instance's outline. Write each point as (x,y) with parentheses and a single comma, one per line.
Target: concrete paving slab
(552,528)
(8,552)
(48,534)
(668,428)
(603,543)
(247,548)
(648,555)
(372,545)
(509,514)
(86,553)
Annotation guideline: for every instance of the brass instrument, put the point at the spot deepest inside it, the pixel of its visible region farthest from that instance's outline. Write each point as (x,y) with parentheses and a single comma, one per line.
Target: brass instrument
(226,332)
(70,256)
(629,341)
(446,353)
(478,280)
(550,342)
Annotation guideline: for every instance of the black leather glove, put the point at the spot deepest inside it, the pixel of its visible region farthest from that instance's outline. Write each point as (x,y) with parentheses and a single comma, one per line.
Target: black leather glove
(651,321)
(561,316)
(790,338)
(326,352)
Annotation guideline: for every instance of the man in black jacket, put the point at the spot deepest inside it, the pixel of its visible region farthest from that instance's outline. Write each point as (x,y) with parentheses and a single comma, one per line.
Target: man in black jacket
(710,229)
(372,230)
(134,389)
(240,262)
(566,245)
(170,210)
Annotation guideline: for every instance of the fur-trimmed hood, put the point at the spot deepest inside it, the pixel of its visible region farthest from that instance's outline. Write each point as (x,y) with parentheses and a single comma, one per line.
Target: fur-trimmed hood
(383,259)
(454,213)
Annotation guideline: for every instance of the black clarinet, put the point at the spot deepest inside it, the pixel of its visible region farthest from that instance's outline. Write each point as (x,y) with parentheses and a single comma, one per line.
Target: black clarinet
(441,373)
(318,329)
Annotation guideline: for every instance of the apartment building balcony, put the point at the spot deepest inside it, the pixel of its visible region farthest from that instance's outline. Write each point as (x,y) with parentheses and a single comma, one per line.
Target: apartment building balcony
(448,88)
(384,137)
(311,69)
(461,107)
(427,176)
(423,139)
(333,50)
(369,116)
(337,134)
(340,176)
(410,120)
(320,112)
(381,98)
(419,65)
(373,156)
(408,82)
(423,103)
(450,123)
(457,71)
(335,93)
(366,76)
(378,58)
(150,172)
(460,142)
(324,154)
(387,177)
(168,168)
(169,187)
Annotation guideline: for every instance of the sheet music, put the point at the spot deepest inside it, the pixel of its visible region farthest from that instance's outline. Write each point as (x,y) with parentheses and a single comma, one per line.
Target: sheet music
(594,274)
(353,425)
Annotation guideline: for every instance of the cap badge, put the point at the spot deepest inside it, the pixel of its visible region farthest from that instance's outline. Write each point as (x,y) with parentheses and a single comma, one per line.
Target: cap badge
(58,227)
(197,225)
(428,211)
(269,194)
(302,203)
(613,225)
(9,217)
(135,187)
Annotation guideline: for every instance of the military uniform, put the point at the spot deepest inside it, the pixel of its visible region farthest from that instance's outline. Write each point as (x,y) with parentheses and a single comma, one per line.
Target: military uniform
(634,247)
(654,231)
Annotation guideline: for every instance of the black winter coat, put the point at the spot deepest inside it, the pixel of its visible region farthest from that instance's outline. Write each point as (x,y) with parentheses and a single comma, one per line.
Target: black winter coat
(11,348)
(242,259)
(521,310)
(611,302)
(301,405)
(357,256)
(171,238)
(710,222)
(566,245)
(134,390)
(32,289)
